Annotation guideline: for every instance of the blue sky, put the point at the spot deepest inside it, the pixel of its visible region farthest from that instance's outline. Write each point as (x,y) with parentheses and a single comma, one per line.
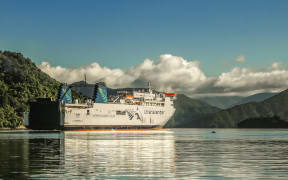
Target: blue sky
(122,33)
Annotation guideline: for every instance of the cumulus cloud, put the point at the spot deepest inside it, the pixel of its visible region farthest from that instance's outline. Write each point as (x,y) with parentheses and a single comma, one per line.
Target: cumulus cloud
(243,80)
(241,59)
(168,73)
(173,73)
(275,66)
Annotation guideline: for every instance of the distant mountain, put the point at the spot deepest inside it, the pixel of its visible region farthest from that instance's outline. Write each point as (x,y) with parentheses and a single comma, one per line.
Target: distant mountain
(188,111)
(83,88)
(88,89)
(255,98)
(230,118)
(225,102)
(222,102)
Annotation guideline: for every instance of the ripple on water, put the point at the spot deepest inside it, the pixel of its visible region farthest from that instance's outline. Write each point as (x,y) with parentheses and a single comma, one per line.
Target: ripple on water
(164,154)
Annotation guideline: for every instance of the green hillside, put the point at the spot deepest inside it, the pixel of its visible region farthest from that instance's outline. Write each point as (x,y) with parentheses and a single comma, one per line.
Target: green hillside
(225,102)
(254,98)
(222,102)
(21,81)
(230,118)
(263,122)
(188,111)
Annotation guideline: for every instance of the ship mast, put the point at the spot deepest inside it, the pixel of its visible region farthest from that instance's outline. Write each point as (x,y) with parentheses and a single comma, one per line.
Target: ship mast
(85,80)
(149,87)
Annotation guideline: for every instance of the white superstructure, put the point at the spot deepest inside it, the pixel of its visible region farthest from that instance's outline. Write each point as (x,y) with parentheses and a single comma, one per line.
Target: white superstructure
(137,109)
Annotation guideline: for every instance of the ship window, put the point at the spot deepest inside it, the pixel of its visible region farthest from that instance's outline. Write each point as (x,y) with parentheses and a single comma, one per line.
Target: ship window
(120,112)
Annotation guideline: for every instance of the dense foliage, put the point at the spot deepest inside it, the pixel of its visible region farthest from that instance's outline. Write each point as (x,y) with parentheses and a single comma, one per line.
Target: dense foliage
(263,122)
(20,82)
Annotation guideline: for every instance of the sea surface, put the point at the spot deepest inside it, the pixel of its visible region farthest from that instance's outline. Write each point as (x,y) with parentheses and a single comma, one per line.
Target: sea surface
(159,154)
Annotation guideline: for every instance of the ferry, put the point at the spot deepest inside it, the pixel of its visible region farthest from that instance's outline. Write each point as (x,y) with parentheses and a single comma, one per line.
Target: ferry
(137,109)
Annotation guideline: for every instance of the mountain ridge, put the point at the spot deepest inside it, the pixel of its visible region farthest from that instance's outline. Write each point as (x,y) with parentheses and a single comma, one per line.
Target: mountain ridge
(225,102)
(231,117)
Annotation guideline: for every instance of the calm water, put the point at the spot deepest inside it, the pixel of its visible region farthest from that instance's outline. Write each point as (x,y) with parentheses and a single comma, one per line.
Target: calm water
(163,154)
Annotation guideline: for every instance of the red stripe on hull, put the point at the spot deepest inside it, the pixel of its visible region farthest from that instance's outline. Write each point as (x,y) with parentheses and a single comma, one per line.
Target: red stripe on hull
(117,129)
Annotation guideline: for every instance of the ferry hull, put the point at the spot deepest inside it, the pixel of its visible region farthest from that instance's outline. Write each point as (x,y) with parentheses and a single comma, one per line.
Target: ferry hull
(54,115)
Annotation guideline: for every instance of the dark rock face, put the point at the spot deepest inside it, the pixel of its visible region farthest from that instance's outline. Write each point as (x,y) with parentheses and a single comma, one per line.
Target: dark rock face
(263,122)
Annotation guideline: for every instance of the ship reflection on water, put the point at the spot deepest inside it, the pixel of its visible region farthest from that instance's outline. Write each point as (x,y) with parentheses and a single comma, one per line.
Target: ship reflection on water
(87,154)
(145,154)
(163,154)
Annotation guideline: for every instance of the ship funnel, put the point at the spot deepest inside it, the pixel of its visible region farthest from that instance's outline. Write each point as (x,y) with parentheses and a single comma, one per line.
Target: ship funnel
(100,93)
(65,94)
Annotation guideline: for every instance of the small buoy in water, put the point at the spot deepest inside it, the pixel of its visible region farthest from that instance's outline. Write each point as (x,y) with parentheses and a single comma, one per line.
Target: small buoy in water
(213,132)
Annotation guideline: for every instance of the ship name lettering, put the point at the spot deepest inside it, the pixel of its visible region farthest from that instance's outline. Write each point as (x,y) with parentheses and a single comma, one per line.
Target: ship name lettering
(120,112)
(103,115)
(153,112)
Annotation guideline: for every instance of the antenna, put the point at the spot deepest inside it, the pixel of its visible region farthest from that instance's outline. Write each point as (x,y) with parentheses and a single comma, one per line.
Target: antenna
(149,87)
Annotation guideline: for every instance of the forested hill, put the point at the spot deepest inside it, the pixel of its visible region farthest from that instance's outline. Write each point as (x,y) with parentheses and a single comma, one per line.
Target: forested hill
(225,102)
(21,81)
(268,109)
(189,111)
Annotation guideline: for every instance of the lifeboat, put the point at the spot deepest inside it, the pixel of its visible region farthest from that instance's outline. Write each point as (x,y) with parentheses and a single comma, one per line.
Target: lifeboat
(128,96)
(170,94)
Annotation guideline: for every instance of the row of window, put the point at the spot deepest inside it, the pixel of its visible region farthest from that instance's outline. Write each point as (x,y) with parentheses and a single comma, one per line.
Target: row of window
(120,112)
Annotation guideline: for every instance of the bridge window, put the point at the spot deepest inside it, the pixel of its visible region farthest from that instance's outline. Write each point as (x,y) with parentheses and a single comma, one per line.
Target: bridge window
(120,112)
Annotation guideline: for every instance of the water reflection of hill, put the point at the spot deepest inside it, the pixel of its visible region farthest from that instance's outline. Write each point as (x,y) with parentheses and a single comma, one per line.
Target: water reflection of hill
(29,154)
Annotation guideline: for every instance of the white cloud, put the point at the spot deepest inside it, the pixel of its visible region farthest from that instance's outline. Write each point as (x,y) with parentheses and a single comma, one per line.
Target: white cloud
(240,59)
(94,73)
(245,80)
(173,73)
(275,66)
